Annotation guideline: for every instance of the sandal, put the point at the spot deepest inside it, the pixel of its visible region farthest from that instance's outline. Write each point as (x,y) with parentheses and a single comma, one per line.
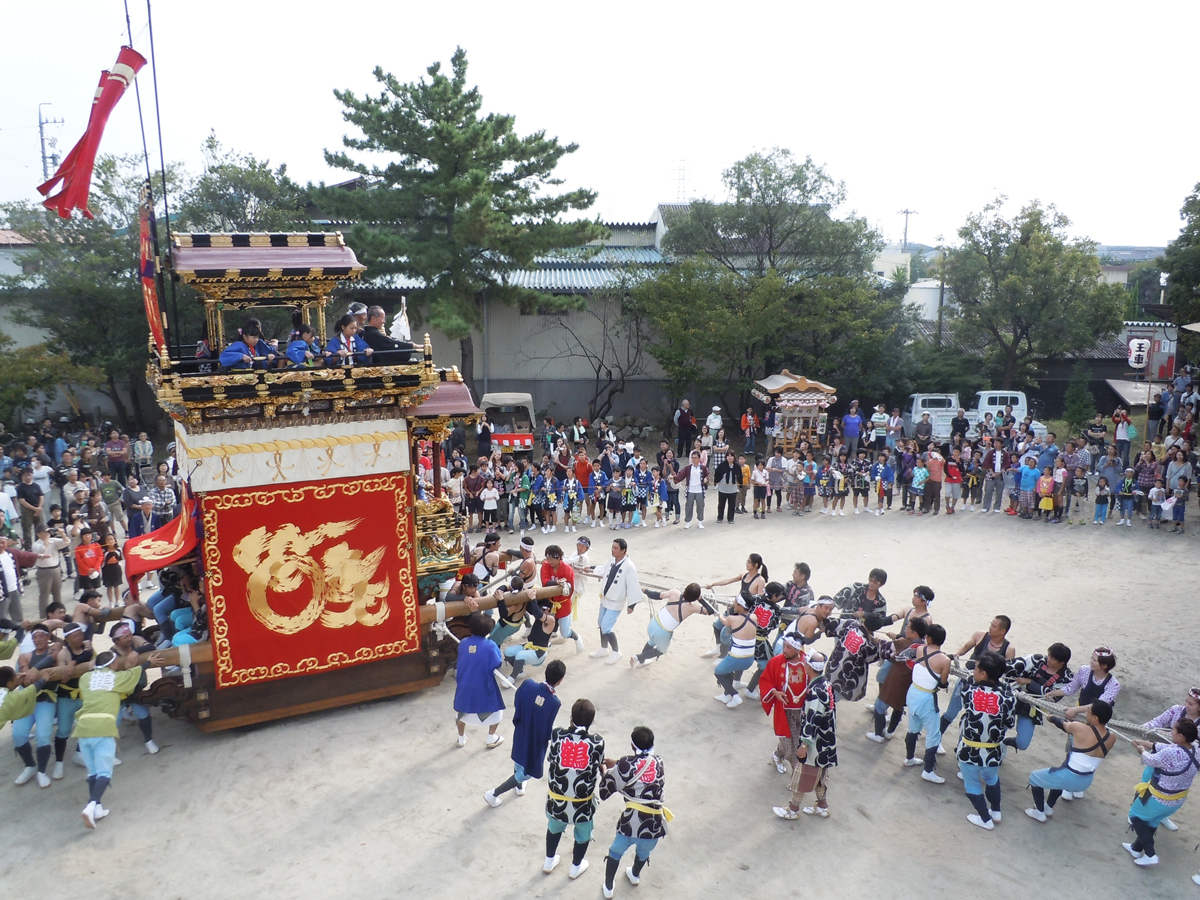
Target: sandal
(785,812)
(822,811)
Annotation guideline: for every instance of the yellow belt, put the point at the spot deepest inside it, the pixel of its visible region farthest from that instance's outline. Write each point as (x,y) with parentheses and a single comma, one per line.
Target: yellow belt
(554,796)
(926,690)
(532,646)
(979,744)
(1146,787)
(649,810)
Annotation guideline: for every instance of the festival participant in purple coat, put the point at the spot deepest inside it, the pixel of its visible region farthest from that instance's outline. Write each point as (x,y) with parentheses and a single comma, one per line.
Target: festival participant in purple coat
(477,699)
(534,709)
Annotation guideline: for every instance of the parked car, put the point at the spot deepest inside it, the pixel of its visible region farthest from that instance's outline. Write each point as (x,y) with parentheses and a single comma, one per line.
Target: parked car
(943,408)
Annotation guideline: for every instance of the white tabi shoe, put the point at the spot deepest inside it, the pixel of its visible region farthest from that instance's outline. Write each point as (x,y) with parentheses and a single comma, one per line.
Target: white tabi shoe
(57,774)
(78,760)
(941,751)
(599,654)
(1146,860)
(614,658)
(699,525)
(26,774)
(575,871)
(932,778)
(606,891)
(997,815)
(519,790)
(1036,814)
(1169,825)
(151,747)
(753,695)
(723,698)
(578,644)
(735,702)
(89,815)
(913,762)
(872,736)
(635,880)
(491,799)
(1136,854)
(550,864)
(43,780)
(99,812)
(975,820)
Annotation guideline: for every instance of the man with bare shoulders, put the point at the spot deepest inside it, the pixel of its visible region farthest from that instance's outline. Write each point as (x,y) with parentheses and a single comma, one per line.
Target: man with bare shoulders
(810,625)
(1090,742)
(994,640)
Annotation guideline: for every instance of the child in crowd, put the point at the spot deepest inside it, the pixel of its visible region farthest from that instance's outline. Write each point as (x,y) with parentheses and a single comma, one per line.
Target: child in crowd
(1127,496)
(916,490)
(841,483)
(1180,495)
(1079,493)
(761,481)
(1060,487)
(491,503)
(551,493)
(883,477)
(572,493)
(973,481)
(1103,495)
(110,570)
(599,499)
(810,480)
(1158,494)
(658,496)
(825,484)
(745,485)
(628,497)
(1045,490)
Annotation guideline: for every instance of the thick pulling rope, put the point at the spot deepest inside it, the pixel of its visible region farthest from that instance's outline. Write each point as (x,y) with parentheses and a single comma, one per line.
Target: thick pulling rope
(1058,709)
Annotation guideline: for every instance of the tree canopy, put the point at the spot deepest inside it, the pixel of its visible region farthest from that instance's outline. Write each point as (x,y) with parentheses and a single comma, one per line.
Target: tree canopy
(1027,290)
(771,278)
(1181,262)
(452,198)
(239,192)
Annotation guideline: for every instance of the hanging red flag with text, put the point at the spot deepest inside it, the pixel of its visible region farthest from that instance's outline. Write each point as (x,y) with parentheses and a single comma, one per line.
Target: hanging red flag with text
(75,173)
(147,269)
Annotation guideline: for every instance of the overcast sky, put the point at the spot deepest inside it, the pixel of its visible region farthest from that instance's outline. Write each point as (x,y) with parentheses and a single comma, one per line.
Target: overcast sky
(935,107)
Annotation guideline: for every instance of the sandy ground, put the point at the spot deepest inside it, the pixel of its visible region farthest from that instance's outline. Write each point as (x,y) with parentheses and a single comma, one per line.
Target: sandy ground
(374,801)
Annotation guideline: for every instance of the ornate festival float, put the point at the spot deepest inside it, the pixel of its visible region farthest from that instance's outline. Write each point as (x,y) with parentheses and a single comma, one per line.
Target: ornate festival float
(801,407)
(303,503)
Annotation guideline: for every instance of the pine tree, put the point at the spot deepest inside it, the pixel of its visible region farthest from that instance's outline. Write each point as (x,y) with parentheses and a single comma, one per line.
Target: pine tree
(1080,404)
(458,200)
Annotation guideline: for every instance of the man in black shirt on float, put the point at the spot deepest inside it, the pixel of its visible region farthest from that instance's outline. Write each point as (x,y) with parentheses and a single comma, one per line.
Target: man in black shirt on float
(377,339)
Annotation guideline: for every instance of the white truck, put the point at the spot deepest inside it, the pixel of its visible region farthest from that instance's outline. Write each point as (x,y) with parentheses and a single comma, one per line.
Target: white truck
(943,408)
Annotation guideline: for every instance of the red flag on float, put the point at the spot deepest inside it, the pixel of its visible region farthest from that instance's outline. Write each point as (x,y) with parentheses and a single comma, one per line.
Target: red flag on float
(163,546)
(147,266)
(75,173)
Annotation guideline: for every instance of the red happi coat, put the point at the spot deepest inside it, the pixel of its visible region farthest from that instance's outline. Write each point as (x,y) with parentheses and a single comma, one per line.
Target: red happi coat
(790,679)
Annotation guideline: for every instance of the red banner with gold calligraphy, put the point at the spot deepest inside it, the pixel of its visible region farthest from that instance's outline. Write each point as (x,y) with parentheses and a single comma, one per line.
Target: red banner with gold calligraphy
(310,577)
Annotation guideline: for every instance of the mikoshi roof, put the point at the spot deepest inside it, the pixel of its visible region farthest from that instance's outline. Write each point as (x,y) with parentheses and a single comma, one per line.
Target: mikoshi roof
(786,381)
(794,391)
(240,257)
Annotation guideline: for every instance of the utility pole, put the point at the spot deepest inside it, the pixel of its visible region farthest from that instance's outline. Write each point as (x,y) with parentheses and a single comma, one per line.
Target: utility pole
(906,213)
(941,290)
(49,160)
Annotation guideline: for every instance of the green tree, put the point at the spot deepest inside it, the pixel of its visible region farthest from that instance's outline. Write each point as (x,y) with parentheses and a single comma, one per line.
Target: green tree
(1181,262)
(1080,405)
(26,371)
(239,192)
(1029,291)
(81,282)
(771,278)
(458,201)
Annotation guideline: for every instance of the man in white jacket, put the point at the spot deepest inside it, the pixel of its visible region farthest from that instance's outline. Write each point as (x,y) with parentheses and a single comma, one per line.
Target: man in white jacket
(619,588)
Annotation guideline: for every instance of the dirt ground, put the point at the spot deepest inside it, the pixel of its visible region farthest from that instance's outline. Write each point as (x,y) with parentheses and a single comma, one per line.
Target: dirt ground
(375,802)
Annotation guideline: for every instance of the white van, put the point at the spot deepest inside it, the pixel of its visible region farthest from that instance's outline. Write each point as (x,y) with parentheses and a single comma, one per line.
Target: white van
(943,408)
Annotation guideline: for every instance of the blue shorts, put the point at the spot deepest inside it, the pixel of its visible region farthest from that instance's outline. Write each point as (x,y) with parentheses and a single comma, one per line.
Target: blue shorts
(657,636)
(731,664)
(923,715)
(1060,778)
(622,842)
(974,777)
(98,754)
(583,830)
(608,619)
